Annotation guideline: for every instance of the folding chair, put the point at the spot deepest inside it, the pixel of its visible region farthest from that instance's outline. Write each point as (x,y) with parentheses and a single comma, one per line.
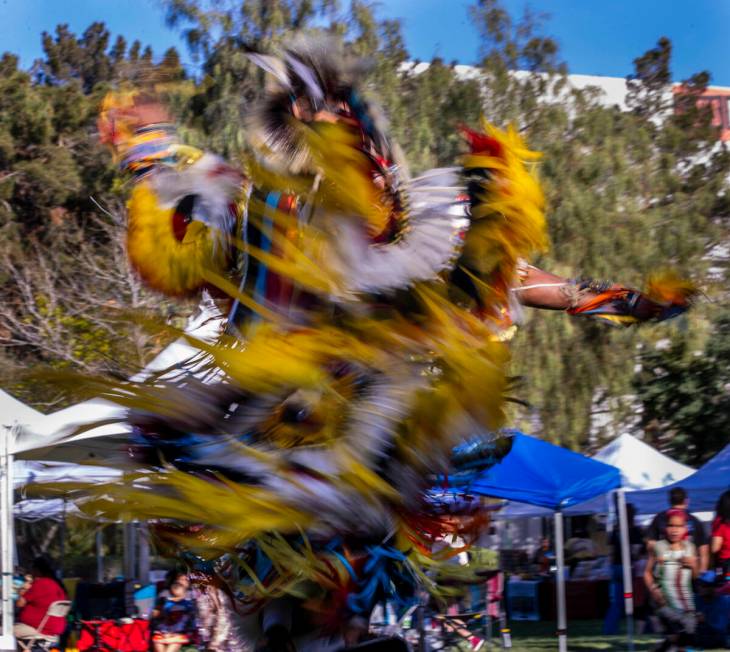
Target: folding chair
(58,609)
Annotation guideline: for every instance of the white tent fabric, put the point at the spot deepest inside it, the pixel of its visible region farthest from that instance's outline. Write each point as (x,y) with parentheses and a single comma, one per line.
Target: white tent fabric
(13,411)
(641,466)
(41,509)
(703,487)
(41,440)
(27,472)
(51,438)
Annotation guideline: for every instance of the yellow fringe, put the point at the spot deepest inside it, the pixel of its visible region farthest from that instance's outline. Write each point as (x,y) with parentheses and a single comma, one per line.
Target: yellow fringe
(166,264)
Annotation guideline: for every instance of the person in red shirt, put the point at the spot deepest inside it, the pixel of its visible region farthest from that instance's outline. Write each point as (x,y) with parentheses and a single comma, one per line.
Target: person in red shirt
(34,602)
(720,543)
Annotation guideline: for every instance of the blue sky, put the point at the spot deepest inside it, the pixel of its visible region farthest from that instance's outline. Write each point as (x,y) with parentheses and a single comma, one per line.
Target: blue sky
(599,37)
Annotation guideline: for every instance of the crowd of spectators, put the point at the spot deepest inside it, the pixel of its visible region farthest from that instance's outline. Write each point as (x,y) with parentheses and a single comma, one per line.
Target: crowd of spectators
(685,569)
(686,573)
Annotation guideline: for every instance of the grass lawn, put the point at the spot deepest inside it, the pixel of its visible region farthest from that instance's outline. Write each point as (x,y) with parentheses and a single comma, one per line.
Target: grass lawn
(582,635)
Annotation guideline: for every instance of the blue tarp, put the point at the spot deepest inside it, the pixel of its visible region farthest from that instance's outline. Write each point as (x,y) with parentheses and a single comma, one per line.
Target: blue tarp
(539,473)
(704,487)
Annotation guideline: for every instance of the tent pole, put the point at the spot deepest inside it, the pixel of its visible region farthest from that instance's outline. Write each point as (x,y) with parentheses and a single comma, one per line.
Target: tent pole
(560,582)
(487,617)
(7,639)
(130,551)
(626,566)
(143,557)
(62,560)
(100,555)
(503,624)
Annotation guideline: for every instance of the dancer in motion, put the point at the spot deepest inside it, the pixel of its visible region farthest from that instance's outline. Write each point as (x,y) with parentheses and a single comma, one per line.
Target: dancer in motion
(367,325)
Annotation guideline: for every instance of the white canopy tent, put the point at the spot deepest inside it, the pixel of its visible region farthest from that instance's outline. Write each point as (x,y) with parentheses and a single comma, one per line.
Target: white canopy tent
(27,472)
(51,438)
(14,411)
(14,475)
(86,433)
(38,509)
(642,466)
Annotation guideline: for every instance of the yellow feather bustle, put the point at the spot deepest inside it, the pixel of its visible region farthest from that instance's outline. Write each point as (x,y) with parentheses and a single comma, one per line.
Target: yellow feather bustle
(508,219)
(167,264)
(406,383)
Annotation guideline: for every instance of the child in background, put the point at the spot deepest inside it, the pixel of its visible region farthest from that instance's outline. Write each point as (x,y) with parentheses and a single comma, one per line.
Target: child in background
(174,619)
(670,569)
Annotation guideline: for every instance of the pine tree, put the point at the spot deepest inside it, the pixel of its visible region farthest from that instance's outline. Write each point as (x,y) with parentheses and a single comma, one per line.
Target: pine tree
(684,391)
(627,195)
(62,260)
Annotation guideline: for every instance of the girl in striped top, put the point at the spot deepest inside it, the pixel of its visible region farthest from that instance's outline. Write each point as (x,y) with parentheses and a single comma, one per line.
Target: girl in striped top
(670,569)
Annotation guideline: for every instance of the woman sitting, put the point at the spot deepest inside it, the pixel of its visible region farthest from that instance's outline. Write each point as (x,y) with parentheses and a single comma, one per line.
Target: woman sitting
(34,601)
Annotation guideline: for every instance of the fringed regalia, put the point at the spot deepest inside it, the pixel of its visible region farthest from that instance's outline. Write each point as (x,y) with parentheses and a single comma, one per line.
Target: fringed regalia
(367,320)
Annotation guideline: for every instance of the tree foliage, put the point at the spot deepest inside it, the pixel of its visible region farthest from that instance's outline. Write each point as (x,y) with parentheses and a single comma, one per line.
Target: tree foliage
(63,269)
(629,191)
(684,390)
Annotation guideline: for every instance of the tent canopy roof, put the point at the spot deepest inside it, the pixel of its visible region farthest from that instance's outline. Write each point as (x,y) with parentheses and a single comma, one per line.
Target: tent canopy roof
(13,411)
(704,487)
(27,472)
(539,473)
(642,466)
(78,431)
(93,431)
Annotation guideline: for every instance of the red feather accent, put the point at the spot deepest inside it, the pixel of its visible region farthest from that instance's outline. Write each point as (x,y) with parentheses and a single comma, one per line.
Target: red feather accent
(179,225)
(481,143)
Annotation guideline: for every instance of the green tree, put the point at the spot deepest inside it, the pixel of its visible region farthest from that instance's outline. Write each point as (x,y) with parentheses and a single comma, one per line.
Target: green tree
(684,391)
(217,112)
(62,263)
(628,194)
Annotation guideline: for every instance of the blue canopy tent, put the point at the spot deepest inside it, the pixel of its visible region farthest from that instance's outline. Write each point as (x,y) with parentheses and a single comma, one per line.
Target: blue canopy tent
(642,467)
(704,487)
(539,473)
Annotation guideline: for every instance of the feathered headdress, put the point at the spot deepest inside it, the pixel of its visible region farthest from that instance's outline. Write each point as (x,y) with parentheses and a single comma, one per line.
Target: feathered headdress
(314,77)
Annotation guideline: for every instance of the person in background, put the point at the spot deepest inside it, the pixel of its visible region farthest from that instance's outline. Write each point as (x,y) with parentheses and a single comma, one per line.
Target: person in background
(720,541)
(543,557)
(670,569)
(616,589)
(174,618)
(679,500)
(579,547)
(172,576)
(215,614)
(34,601)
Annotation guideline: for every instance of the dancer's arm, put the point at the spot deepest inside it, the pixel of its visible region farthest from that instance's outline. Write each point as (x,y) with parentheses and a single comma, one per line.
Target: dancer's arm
(602,299)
